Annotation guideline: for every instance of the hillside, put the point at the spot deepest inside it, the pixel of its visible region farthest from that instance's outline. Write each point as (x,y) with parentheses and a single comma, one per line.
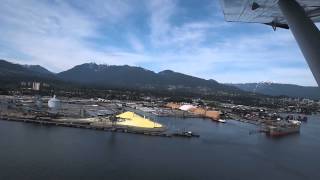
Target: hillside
(12,74)
(137,77)
(275,89)
(38,69)
(131,77)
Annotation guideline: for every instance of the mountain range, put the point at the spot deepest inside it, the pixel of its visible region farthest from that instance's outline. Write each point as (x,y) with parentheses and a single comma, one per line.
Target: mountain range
(11,74)
(38,69)
(106,76)
(276,89)
(137,77)
(131,77)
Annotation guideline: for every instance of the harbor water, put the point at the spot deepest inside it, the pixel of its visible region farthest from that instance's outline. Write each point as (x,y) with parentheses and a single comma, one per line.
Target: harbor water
(223,151)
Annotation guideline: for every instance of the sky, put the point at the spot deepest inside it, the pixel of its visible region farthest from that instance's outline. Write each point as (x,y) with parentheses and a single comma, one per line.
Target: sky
(187,36)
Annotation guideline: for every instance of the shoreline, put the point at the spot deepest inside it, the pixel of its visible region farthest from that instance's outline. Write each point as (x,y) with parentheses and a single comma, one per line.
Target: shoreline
(160,132)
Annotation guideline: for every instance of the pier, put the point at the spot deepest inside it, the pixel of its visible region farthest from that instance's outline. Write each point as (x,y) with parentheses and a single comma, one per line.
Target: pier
(110,128)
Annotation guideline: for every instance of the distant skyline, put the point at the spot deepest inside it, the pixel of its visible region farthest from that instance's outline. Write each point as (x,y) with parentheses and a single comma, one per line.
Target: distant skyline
(187,36)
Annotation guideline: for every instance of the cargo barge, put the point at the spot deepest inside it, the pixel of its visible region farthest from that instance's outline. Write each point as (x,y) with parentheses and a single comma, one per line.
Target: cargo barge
(290,127)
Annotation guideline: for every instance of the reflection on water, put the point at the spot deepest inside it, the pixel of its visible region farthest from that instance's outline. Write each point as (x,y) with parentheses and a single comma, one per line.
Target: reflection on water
(224,151)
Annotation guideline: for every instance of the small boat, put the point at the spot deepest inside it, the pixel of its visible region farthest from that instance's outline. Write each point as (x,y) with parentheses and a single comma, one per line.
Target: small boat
(186,134)
(222,120)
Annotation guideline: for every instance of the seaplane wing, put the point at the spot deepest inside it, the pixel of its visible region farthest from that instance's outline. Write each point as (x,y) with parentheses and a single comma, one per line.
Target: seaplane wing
(265,11)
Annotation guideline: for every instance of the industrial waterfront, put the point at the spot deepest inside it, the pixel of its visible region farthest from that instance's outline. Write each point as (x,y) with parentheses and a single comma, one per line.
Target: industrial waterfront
(80,138)
(59,137)
(139,117)
(223,151)
(160,90)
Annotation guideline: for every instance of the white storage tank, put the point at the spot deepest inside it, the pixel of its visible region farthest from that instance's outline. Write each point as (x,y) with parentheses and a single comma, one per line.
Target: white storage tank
(54,103)
(187,107)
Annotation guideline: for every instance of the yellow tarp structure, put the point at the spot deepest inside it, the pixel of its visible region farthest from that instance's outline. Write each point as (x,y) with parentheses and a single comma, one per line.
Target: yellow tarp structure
(132,119)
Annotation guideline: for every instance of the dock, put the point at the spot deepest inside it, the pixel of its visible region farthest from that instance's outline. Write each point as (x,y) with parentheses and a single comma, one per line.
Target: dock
(120,129)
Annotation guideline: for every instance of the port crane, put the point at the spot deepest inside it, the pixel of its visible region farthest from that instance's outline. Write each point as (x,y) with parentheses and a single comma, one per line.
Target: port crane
(299,16)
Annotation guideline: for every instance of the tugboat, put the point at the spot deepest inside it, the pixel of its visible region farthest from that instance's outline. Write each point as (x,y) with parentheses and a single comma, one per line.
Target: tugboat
(186,134)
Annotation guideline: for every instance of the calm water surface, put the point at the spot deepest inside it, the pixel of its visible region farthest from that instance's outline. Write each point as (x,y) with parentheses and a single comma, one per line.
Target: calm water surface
(224,151)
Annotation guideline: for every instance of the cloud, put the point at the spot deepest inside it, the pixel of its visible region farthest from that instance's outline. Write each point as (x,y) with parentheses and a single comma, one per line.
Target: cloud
(270,56)
(135,43)
(247,57)
(106,10)
(53,35)
(157,34)
(166,33)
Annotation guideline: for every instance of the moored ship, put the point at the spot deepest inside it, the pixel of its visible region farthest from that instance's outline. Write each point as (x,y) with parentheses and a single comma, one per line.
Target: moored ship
(282,129)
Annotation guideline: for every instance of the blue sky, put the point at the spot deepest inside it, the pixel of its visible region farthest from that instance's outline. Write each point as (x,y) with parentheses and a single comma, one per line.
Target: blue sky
(188,36)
